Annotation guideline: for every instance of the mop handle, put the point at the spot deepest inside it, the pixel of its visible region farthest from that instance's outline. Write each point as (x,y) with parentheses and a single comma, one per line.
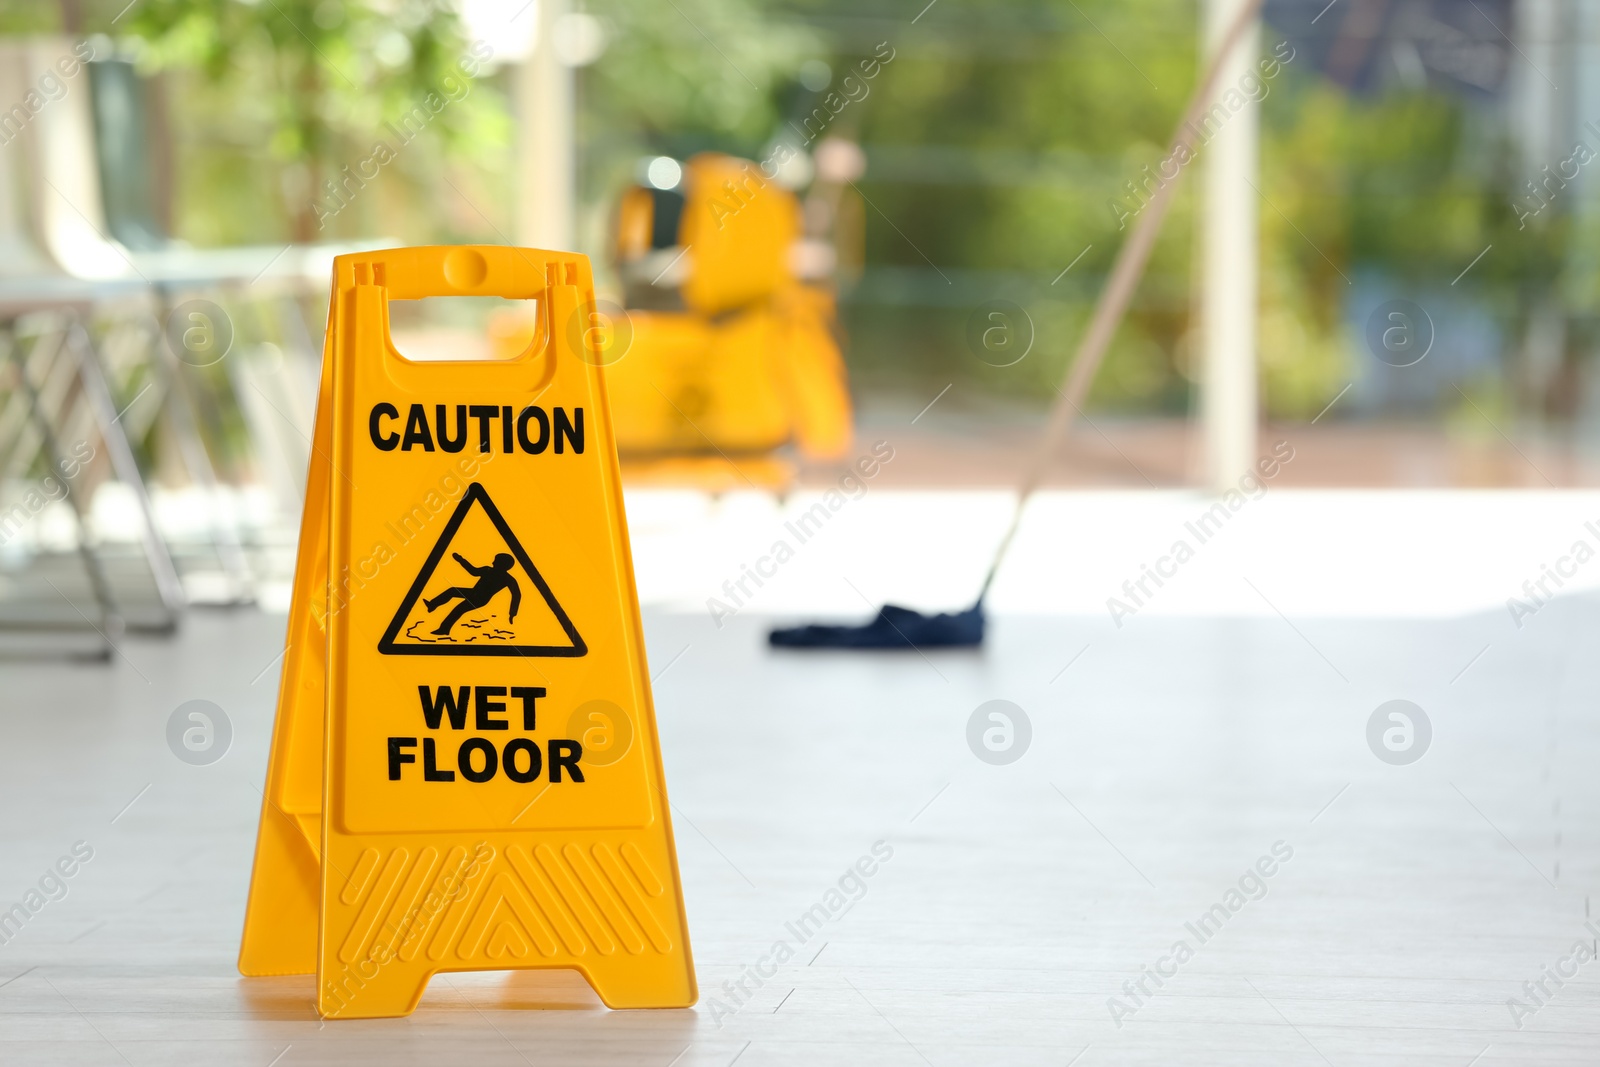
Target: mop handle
(1119,287)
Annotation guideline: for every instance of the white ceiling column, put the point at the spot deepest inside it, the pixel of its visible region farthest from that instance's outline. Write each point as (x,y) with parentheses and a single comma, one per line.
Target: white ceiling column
(1229,263)
(546,146)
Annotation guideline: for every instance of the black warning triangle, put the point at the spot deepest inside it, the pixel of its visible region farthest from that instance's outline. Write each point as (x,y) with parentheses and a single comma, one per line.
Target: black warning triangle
(482,642)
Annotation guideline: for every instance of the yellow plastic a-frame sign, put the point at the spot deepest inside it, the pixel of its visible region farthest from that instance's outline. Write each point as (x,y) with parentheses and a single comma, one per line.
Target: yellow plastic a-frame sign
(465,773)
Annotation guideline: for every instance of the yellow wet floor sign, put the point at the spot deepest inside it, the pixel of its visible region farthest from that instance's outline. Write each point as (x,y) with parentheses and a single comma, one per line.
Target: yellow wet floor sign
(465,773)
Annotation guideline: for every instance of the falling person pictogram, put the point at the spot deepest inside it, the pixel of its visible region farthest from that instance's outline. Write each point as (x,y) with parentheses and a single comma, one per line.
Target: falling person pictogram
(444,615)
(491,580)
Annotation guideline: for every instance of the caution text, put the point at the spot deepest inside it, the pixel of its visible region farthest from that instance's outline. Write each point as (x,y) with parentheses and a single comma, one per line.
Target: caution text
(501,428)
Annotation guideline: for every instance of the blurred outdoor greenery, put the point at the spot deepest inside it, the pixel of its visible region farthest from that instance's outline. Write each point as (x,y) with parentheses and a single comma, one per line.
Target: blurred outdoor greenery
(996,138)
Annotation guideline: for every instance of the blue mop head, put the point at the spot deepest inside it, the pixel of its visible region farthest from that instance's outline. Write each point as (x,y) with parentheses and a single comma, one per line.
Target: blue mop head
(894,627)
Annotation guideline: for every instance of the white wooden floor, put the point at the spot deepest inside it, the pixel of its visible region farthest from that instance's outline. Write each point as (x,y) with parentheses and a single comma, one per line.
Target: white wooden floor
(1166,759)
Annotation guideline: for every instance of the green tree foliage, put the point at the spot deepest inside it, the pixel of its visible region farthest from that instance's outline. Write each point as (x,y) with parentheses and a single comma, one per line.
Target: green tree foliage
(998,139)
(269,100)
(679,78)
(1410,186)
(692,73)
(321,78)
